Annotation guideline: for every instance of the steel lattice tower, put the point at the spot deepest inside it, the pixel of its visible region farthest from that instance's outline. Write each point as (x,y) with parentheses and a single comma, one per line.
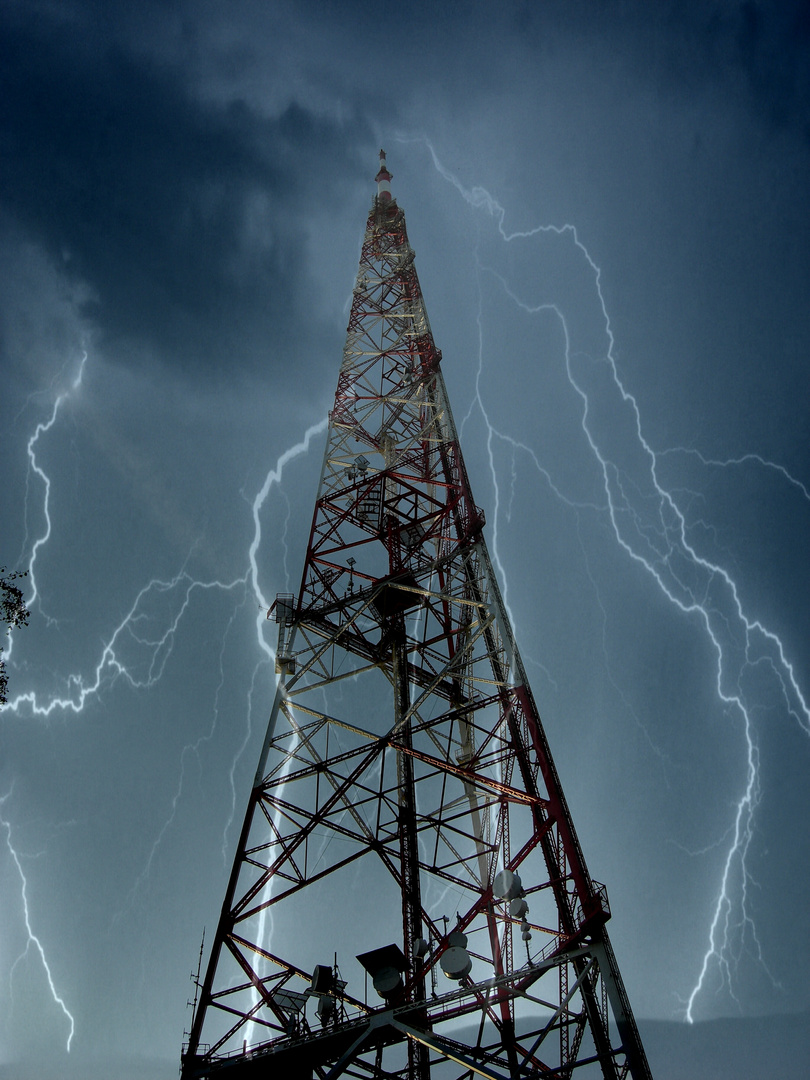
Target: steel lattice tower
(405,776)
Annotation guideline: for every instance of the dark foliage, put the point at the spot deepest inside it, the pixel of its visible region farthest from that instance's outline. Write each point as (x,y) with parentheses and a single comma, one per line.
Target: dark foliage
(14,613)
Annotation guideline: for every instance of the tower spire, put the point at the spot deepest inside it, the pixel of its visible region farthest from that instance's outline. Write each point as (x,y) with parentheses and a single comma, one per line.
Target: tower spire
(406,818)
(383,179)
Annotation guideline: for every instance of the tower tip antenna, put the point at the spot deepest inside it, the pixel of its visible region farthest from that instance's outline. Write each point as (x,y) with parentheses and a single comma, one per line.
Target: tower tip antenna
(383,179)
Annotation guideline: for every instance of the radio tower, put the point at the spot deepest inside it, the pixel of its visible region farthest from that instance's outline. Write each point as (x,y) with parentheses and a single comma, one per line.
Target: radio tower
(408,897)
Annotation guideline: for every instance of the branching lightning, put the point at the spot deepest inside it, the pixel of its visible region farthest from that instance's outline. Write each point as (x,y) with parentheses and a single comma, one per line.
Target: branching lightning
(33,467)
(744,459)
(139,648)
(33,940)
(651,528)
(135,628)
(272,479)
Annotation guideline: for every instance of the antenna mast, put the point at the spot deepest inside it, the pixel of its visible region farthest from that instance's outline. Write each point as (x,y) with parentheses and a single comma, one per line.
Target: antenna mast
(405,774)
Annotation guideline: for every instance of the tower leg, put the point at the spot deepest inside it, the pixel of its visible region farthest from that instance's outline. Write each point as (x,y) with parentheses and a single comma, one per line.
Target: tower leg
(418,1054)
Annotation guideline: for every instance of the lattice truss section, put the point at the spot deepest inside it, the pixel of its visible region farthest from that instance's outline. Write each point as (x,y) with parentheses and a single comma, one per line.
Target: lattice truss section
(405,770)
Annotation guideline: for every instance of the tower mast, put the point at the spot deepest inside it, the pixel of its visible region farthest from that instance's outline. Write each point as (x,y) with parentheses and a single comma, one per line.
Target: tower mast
(405,802)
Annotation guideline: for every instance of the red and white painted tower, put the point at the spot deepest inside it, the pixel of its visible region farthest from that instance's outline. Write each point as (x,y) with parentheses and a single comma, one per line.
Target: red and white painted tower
(408,897)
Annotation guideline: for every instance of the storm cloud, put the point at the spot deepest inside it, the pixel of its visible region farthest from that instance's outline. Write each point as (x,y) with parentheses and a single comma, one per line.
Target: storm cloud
(608,207)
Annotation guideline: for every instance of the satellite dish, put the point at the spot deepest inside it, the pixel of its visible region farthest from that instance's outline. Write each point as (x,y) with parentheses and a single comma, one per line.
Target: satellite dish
(507,885)
(518,908)
(456,963)
(387,982)
(457,939)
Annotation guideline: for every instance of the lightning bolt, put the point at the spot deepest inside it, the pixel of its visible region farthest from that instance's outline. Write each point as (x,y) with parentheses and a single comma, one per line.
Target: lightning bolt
(744,459)
(135,628)
(139,647)
(34,467)
(652,530)
(33,940)
(272,480)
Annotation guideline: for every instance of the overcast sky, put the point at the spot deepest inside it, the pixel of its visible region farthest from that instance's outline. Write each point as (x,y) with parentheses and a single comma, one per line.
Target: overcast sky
(608,203)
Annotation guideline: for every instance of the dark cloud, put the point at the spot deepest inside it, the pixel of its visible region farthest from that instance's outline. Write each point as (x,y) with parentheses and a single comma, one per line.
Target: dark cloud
(771,41)
(186,219)
(757,51)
